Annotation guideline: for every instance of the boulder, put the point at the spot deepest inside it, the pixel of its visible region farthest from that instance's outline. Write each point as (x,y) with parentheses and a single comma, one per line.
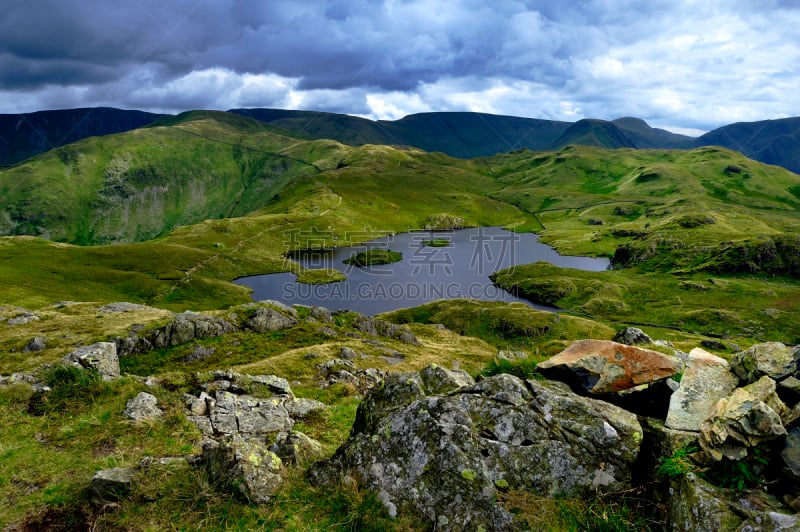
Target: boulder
(109,485)
(296,448)
(348,353)
(273,383)
(706,380)
(266,319)
(322,314)
(143,407)
(601,366)
(246,465)
(101,357)
(444,457)
(22,318)
(122,306)
(747,417)
(36,344)
(773,359)
(632,336)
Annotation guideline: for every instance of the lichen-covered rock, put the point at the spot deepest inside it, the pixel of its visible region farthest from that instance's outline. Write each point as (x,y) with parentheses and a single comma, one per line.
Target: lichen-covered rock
(443,457)
(143,407)
(296,448)
(747,417)
(302,408)
(101,357)
(706,380)
(266,319)
(791,453)
(697,505)
(601,366)
(109,485)
(773,359)
(632,336)
(246,465)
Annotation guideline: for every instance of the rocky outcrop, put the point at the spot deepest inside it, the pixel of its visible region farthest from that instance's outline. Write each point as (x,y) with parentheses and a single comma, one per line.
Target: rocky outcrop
(377,327)
(184,327)
(600,366)
(266,319)
(101,357)
(747,417)
(428,444)
(295,448)
(143,407)
(706,380)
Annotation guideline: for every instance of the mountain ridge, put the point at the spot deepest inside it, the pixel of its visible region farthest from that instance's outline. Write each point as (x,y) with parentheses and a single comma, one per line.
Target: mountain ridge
(464,135)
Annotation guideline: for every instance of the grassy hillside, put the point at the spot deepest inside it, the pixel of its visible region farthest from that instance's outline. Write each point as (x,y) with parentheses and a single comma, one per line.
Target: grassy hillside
(138,185)
(768,141)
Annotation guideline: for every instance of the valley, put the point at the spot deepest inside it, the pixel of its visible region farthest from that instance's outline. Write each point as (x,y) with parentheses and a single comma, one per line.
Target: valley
(704,246)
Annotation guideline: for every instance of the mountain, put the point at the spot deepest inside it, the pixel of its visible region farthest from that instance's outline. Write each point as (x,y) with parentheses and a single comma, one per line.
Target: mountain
(589,132)
(645,136)
(28,134)
(769,141)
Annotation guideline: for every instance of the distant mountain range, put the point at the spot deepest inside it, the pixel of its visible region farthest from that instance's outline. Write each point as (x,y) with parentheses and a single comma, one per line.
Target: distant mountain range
(458,134)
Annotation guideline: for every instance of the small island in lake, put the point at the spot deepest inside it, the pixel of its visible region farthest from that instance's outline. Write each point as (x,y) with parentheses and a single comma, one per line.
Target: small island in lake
(437,243)
(374,257)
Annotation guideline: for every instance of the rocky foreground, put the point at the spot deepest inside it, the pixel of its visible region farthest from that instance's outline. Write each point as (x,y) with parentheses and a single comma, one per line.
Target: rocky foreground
(713,444)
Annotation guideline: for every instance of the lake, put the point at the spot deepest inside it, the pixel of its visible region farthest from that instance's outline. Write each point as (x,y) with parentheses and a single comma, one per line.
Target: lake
(459,267)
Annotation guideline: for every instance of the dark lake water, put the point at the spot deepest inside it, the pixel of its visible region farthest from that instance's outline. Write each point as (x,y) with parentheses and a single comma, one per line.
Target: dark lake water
(460,269)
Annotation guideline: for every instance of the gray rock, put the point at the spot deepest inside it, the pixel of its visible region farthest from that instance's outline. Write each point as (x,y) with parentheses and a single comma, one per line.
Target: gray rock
(442,457)
(512,355)
(322,314)
(773,359)
(600,366)
(438,380)
(296,448)
(283,307)
(189,326)
(121,307)
(199,406)
(199,353)
(348,353)
(22,318)
(266,319)
(245,465)
(747,417)
(250,416)
(632,336)
(110,485)
(273,383)
(706,380)
(101,357)
(143,407)
(302,408)
(36,344)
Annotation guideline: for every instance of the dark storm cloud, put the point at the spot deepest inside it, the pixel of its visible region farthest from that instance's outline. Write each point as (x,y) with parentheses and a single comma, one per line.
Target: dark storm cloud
(706,63)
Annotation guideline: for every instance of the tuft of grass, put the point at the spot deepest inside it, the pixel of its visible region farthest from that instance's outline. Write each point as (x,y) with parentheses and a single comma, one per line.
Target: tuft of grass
(522,368)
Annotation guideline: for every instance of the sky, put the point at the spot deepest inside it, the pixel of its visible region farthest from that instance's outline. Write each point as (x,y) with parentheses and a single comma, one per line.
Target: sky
(684,65)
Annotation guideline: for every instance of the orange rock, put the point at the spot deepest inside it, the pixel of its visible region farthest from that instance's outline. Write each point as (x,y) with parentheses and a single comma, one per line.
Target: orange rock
(602,366)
